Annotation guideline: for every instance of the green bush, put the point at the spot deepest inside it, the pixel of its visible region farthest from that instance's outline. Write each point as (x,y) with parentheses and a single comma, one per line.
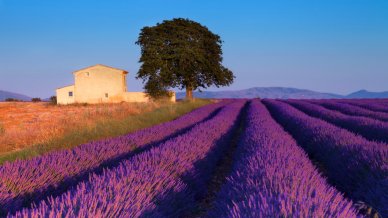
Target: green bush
(36,100)
(12,99)
(53,99)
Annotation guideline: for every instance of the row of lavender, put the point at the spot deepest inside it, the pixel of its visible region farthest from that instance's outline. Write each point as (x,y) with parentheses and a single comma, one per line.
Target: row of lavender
(23,182)
(369,128)
(350,109)
(280,179)
(356,166)
(153,183)
(380,105)
(273,177)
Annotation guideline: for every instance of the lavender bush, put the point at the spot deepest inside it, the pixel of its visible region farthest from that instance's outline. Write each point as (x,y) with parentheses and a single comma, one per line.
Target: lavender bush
(353,164)
(373,105)
(151,183)
(352,109)
(273,177)
(26,181)
(166,170)
(369,128)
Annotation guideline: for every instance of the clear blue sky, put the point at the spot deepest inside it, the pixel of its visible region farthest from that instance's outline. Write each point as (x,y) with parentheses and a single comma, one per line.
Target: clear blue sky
(326,45)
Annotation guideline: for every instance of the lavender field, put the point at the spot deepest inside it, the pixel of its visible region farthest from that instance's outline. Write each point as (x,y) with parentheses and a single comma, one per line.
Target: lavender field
(234,158)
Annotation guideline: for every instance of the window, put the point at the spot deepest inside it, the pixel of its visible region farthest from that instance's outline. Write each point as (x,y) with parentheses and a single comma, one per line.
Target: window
(106,95)
(70,94)
(87,73)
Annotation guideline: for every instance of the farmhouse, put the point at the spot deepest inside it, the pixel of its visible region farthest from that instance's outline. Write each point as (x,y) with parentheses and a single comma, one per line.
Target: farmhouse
(99,84)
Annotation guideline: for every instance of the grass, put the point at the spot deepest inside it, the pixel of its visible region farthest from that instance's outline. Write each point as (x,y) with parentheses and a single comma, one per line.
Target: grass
(25,124)
(2,129)
(105,128)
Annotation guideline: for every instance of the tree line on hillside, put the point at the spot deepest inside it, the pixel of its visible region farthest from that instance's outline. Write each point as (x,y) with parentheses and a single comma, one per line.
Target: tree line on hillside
(52,99)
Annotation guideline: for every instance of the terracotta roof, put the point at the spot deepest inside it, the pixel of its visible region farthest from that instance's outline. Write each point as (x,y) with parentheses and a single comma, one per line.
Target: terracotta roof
(101,65)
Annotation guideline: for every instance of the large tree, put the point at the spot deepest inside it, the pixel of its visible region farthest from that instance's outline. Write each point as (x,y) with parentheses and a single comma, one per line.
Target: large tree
(181,53)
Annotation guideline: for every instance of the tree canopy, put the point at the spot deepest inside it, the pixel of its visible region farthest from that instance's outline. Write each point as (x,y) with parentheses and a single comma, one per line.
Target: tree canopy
(181,53)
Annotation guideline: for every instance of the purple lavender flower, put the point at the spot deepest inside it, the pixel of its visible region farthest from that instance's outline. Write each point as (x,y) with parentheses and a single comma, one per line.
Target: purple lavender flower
(356,166)
(273,177)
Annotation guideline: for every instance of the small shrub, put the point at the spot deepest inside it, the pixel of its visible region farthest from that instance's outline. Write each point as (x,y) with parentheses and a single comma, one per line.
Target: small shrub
(12,99)
(53,99)
(36,100)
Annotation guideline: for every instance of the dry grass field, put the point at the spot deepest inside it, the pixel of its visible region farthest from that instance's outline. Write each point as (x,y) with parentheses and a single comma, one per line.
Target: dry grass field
(24,123)
(30,129)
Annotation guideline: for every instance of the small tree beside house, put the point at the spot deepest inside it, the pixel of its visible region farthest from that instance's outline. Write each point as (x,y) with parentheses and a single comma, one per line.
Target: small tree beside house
(53,99)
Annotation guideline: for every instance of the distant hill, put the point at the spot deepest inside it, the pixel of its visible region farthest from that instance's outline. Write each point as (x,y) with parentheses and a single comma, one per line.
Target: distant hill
(366,94)
(283,93)
(264,92)
(4,95)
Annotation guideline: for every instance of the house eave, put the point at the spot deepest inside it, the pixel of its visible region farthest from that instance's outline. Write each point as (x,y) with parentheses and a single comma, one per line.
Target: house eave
(64,87)
(101,65)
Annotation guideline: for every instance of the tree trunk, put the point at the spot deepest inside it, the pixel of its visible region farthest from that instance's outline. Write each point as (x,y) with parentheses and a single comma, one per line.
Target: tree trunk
(189,93)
